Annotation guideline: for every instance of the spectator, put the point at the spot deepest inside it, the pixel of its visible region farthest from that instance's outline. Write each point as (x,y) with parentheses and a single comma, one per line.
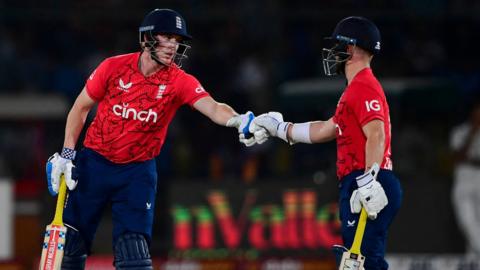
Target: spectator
(465,143)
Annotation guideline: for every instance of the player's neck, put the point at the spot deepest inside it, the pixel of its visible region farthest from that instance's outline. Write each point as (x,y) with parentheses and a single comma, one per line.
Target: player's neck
(147,65)
(352,69)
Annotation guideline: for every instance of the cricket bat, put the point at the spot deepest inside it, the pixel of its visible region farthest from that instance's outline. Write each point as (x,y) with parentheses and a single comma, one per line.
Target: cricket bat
(353,259)
(54,241)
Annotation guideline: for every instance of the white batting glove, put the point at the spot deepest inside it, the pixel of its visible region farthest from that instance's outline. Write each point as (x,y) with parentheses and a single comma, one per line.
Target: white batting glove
(273,123)
(260,133)
(370,194)
(242,123)
(56,166)
(355,203)
(248,142)
(258,137)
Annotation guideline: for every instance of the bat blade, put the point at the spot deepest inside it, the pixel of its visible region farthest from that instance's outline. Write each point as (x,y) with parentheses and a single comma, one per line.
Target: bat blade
(55,234)
(352,261)
(53,244)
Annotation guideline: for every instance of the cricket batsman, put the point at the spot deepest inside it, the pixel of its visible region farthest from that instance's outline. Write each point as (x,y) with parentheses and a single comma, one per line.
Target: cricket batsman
(137,96)
(362,129)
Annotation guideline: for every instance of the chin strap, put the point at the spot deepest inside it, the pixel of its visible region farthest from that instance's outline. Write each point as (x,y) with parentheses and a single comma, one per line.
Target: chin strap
(341,68)
(154,58)
(151,57)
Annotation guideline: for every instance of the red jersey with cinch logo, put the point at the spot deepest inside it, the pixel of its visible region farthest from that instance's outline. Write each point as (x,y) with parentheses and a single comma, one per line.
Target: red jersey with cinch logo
(362,101)
(134,111)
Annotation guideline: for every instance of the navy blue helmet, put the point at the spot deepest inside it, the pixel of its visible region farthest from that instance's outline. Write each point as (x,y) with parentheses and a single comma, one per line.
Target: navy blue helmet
(165,22)
(356,31)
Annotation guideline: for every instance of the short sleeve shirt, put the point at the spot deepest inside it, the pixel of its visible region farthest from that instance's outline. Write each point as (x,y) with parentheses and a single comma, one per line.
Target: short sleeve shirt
(362,101)
(134,111)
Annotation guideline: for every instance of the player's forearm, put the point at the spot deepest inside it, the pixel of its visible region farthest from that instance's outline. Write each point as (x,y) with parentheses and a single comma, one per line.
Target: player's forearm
(75,122)
(322,131)
(218,112)
(222,113)
(318,132)
(374,149)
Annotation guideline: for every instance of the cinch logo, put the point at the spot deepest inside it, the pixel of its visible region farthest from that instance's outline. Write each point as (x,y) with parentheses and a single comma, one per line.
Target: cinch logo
(199,89)
(129,113)
(93,75)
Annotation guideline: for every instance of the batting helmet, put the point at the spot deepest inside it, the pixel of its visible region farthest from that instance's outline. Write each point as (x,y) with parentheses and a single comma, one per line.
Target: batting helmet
(165,22)
(356,31)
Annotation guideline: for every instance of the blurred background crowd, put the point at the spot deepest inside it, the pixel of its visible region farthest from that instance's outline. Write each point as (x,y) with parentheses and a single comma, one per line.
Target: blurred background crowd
(258,56)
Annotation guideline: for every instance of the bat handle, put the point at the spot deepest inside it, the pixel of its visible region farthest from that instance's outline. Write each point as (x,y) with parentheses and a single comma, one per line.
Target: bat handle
(357,240)
(58,219)
(245,130)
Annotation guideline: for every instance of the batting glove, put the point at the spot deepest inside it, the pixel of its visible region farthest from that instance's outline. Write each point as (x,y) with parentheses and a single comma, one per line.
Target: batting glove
(273,123)
(242,123)
(370,194)
(58,165)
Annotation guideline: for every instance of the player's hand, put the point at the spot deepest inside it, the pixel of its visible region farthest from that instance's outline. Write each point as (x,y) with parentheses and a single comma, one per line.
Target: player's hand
(260,133)
(370,194)
(56,166)
(355,203)
(242,123)
(259,136)
(273,123)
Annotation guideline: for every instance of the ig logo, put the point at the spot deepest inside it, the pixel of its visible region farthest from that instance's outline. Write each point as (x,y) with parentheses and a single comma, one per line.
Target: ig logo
(372,105)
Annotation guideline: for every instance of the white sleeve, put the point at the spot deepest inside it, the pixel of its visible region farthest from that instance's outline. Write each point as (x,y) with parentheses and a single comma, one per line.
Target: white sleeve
(458,137)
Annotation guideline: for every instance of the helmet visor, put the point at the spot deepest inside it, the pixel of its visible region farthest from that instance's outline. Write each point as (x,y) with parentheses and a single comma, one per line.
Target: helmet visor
(164,52)
(334,57)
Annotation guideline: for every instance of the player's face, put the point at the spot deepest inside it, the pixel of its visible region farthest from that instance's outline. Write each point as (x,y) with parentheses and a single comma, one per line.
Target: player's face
(335,58)
(167,47)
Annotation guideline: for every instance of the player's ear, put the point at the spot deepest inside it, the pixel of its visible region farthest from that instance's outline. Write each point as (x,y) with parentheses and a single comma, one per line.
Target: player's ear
(351,49)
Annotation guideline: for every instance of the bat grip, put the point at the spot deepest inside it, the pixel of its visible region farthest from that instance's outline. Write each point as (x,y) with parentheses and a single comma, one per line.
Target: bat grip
(58,219)
(246,132)
(357,240)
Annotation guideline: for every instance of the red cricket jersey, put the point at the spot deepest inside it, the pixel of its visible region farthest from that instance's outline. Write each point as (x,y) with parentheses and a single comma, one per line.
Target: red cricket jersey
(134,111)
(362,101)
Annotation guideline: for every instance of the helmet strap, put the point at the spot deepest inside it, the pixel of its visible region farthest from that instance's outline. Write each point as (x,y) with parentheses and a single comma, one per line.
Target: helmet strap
(152,42)
(155,58)
(340,67)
